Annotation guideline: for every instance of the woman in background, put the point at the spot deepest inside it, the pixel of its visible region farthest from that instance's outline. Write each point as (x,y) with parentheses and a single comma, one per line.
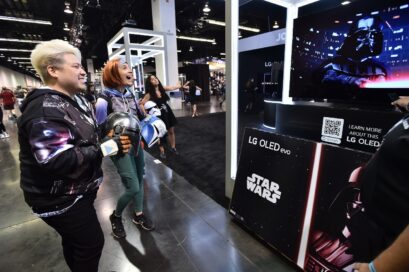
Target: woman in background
(156,92)
(194,93)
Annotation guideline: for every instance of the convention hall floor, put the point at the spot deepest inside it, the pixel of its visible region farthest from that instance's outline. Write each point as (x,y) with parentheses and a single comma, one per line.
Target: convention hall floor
(193,232)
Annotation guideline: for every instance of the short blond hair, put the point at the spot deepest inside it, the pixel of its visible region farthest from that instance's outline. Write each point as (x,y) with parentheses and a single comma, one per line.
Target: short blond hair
(51,53)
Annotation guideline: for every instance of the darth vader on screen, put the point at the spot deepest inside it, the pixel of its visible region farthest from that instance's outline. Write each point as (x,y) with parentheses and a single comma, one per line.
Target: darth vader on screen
(354,66)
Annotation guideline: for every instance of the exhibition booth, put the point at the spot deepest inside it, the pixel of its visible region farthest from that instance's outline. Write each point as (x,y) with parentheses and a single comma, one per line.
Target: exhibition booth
(296,187)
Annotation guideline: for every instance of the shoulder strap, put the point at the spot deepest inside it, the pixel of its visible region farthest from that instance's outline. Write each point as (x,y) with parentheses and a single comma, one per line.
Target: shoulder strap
(106,97)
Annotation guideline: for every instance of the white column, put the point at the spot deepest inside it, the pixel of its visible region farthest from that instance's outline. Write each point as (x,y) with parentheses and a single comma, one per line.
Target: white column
(164,20)
(232,59)
(292,13)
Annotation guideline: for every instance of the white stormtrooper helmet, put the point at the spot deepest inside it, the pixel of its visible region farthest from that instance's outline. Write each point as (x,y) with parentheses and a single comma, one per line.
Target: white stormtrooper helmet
(152,109)
(153,128)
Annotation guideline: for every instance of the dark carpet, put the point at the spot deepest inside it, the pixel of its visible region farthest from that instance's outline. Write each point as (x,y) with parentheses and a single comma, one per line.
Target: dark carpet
(202,147)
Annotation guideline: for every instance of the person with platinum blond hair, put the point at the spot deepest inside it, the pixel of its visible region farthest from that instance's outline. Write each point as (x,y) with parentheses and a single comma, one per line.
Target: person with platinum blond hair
(61,154)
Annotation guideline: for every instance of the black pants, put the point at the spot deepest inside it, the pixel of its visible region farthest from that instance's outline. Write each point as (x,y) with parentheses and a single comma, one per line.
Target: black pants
(81,233)
(2,128)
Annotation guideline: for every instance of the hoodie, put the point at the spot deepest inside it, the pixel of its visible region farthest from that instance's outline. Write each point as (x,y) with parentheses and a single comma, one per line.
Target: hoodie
(60,159)
(111,100)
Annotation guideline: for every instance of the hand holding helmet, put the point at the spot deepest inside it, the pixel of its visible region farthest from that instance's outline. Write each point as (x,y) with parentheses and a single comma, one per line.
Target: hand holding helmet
(124,129)
(122,141)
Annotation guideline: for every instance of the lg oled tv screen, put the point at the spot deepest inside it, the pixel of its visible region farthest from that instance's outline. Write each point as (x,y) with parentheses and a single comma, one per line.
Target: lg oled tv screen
(352,53)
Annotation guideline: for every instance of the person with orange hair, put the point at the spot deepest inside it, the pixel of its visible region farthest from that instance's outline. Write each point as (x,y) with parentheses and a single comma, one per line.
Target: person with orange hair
(117,97)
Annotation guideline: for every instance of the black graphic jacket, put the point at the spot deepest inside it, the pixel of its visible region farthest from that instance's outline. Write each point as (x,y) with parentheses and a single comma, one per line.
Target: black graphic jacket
(60,159)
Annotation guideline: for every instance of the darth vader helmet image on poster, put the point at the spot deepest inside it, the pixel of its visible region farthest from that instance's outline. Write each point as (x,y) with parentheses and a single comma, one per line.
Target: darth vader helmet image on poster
(153,128)
(331,247)
(123,123)
(344,232)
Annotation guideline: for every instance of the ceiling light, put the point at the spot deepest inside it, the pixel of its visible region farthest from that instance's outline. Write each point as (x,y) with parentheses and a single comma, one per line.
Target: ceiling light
(223,54)
(67,8)
(206,8)
(276,25)
(24,20)
(9,59)
(346,3)
(190,49)
(195,39)
(240,35)
(214,22)
(13,49)
(179,51)
(66,27)
(18,40)
(214,42)
(20,58)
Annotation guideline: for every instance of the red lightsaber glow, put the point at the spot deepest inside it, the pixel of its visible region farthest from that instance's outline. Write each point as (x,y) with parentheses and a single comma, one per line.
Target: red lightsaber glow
(401,83)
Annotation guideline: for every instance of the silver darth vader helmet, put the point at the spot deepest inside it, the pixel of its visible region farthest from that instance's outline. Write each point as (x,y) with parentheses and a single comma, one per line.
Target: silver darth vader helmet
(124,123)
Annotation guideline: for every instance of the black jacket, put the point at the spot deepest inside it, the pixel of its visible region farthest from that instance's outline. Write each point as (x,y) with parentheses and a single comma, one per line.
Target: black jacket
(59,152)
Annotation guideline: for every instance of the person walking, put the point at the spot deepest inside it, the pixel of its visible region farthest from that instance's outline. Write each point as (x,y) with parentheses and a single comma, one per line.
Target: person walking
(9,99)
(3,132)
(194,92)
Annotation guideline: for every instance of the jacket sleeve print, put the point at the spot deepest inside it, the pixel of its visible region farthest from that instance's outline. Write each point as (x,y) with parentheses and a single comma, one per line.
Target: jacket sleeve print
(48,140)
(53,146)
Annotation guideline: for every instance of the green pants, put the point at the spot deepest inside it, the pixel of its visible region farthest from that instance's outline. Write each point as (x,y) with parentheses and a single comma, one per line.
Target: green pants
(131,170)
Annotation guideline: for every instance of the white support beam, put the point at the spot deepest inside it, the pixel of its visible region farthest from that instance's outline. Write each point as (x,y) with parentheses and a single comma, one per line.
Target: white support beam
(153,40)
(150,54)
(232,59)
(117,52)
(292,13)
(145,47)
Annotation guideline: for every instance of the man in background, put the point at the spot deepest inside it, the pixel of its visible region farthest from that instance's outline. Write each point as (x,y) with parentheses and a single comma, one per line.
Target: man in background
(9,99)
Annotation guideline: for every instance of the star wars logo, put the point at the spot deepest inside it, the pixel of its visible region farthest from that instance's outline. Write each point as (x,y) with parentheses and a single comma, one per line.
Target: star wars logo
(264,188)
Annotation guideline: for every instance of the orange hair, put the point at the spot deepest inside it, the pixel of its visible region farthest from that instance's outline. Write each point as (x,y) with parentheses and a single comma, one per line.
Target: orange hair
(110,74)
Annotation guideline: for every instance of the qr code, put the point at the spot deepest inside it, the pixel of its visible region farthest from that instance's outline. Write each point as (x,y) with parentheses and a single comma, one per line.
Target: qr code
(332,127)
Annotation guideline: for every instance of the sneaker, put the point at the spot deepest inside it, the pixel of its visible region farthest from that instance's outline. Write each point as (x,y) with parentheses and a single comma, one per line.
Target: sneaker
(174,150)
(143,221)
(118,230)
(162,156)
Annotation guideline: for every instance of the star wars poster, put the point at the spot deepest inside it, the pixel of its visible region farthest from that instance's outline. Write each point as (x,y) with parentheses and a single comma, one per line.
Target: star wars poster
(271,188)
(337,205)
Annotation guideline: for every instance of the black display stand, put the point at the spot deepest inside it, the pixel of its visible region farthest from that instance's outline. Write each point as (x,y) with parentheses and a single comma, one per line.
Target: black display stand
(270,113)
(285,192)
(344,125)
